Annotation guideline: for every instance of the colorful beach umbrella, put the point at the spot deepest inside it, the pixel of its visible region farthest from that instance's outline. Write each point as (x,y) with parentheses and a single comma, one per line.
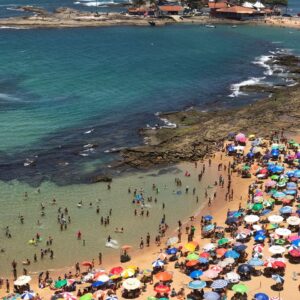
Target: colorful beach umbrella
(219,284)
(255,262)
(22,280)
(211,274)
(192,256)
(277,278)
(164,276)
(211,296)
(240,288)
(293,220)
(275,219)
(131,284)
(162,289)
(251,219)
(111,297)
(28,295)
(158,264)
(232,253)
(87,296)
(223,241)
(196,274)
(261,296)
(116,270)
(277,249)
(60,283)
(197,284)
(190,246)
(283,231)
(232,277)
(68,296)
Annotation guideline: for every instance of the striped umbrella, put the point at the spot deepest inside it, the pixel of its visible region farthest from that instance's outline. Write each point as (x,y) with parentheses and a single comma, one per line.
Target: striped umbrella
(219,284)
(277,278)
(111,297)
(197,284)
(211,296)
(158,264)
(28,295)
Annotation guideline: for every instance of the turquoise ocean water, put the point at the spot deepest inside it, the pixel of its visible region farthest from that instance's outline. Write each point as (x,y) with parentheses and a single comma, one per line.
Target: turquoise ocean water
(61,90)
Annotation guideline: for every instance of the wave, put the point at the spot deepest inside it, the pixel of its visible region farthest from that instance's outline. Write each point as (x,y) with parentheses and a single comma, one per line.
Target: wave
(14,27)
(263,62)
(95,3)
(237,86)
(7,97)
(168,124)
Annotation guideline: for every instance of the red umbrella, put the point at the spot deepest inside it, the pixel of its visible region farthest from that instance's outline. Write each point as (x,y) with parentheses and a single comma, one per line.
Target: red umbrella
(87,264)
(295,253)
(221,251)
(205,255)
(162,289)
(116,270)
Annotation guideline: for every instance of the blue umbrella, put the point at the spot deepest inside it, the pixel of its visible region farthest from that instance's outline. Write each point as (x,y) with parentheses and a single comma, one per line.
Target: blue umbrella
(197,284)
(172,251)
(265,212)
(279,195)
(219,284)
(208,218)
(244,269)
(290,192)
(203,260)
(286,209)
(196,274)
(111,297)
(290,173)
(259,238)
(240,248)
(211,296)
(260,232)
(157,264)
(278,278)
(291,186)
(256,262)
(231,220)
(28,295)
(297,173)
(208,227)
(250,155)
(261,296)
(98,283)
(232,254)
(296,242)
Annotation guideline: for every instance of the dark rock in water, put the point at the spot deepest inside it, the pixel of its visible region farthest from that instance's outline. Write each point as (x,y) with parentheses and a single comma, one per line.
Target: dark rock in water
(258,88)
(101,178)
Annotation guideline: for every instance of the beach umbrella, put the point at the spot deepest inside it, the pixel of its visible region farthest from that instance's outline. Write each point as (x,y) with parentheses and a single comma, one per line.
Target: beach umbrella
(296,243)
(97,284)
(231,220)
(158,264)
(197,284)
(278,278)
(221,251)
(103,278)
(283,231)
(60,283)
(257,207)
(205,255)
(223,264)
(280,242)
(290,192)
(223,241)
(68,296)
(251,219)
(241,236)
(190,247)
(258,199)
(259,238)
(240,248)
(276,249)
(232,277)
(87,264)
(116,270)
(209,247)
(270,183)
(192,263)
(291,186)
(211,296)
(276,219)
(244,269)
(131,284)
(203,260)
(295,253)
(219,284)
(128,273)
(196,274)
(111,297)
(27,295)
(192,256)
(211,274)
(261,296)
(162,289)
(258,248)
(240,288)
(22,280)
(232,253)
(286,210)
(255,262)
(172,251)
(126,247)
(164,276)
(172,241)
(208,218)
(293,237)
(216,268)
(240,137)
(296,174)
(208,228)
(87,296)
(98,294)
(229,260)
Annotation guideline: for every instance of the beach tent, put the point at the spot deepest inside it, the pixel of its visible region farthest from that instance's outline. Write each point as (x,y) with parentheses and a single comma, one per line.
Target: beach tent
(258,5)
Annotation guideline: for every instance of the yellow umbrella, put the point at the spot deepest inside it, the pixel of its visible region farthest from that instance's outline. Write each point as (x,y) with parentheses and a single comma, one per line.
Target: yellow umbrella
(131,267)
(127,273)
(190,247)
(115,276)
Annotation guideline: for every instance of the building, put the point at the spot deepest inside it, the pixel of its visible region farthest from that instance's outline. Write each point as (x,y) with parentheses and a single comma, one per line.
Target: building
(238,13)
(170,10)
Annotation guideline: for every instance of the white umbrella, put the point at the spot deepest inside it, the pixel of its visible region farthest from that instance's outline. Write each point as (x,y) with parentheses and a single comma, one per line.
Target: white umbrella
(103,278)
(283,231)
(293,220)
(131,284)
(276,249)
(241,236)
(232,277)
(258,4)
(22,280)
(229,260)
(209,247)
(172,241)
(275,219)
(251,218)
(88,277)
(257,227)
(247,4)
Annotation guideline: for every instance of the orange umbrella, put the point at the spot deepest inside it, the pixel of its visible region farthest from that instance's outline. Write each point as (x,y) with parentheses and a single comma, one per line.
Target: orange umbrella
(164,276)
(192,263)
(126,247)
(87,264)
(221,251)
(99,274)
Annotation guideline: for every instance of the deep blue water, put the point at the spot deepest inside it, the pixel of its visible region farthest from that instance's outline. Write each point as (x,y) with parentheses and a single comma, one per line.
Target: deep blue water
(55,85)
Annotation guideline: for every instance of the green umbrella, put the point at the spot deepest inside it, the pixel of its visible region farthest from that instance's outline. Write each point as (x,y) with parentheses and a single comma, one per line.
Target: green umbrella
(281,183)
(280,242)
(88,296)
(246,168)
(240,288)
(192,256)
(223,241)
(151,298)
(60,283)
(275,177)
(257,207)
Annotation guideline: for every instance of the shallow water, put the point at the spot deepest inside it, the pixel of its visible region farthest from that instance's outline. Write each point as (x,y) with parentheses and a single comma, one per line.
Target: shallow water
(67,249)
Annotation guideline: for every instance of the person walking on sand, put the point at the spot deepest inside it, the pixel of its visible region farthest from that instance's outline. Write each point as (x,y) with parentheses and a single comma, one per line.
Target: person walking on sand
(100,258)
(209,202)
(142,243)
(7,286)
(79,235)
